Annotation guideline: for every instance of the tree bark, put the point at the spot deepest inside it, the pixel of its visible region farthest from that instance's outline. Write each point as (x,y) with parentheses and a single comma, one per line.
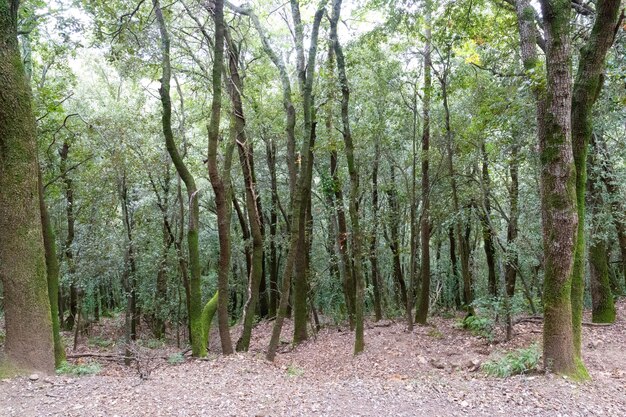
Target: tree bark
(424,300)
(195,290)
(586,90)
(221,182)
(353,172)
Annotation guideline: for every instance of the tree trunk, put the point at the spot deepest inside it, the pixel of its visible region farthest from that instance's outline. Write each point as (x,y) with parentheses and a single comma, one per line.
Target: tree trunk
(254,215)
(69,240)
(198,345)
(424,300)
(378,313)
(586,90)
(299,201)
(394,238)
(490,251)
(354,179)
(52,269)
(512,263)
(558,195)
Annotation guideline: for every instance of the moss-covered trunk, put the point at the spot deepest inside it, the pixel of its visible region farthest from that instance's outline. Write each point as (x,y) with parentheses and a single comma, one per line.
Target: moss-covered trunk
(353,172)
(52,270)
(198,345)
(586,90)
(29,341)
(244,147)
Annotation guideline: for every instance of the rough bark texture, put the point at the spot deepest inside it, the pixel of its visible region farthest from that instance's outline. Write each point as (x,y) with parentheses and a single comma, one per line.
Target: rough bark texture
(378,312)
(198,345)
(488,234)
(558,195)
(587,87)
(29,342)
(512,228)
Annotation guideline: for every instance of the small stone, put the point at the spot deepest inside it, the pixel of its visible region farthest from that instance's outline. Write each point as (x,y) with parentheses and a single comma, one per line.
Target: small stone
(437,364)
(464,404)
(33,377)
(422,360)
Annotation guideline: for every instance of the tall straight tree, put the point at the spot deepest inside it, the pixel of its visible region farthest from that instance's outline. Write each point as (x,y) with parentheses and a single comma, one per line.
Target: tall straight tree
(424,295)
(29,341)
(299,203)
(198,345)
(220,182)
(558,193)
(353,172)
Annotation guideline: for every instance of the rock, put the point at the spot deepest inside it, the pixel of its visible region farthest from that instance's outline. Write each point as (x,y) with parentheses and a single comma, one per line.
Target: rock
(436,363)
(473,365)
(422,360)
(464,404)
(33,377)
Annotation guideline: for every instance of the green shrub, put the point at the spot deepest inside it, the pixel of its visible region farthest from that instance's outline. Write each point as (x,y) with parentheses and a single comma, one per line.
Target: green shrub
(479,326)
(293,370)
(519,361)
(175,359)
(101,342)
(79,369)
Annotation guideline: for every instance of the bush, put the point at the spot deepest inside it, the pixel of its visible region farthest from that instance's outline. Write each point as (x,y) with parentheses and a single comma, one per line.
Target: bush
(79,369)
(175,359)
(479,326)
(520,361)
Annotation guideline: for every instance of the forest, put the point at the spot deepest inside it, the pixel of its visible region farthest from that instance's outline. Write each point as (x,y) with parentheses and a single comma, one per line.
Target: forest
(372,205)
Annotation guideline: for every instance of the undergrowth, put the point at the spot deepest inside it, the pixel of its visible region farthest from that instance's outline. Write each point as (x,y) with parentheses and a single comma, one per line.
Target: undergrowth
(479,326)
(79,369)
(519,361)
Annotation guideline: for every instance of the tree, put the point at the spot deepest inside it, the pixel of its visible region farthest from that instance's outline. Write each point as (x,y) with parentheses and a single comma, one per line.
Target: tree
(29,341)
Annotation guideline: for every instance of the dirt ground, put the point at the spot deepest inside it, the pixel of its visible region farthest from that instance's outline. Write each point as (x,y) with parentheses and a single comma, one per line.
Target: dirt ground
(429,372)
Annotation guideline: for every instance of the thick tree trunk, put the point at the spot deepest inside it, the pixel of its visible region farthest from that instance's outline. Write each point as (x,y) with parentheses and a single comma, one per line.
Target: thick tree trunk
(586,90)
(198,345)
(558,195)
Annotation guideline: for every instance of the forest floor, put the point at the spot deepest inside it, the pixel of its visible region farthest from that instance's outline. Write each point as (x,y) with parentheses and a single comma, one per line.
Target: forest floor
(433,371)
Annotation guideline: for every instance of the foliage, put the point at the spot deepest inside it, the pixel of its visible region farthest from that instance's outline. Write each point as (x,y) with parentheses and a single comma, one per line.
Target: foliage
(79,368)
(479,326)
(520,361)
(294,371)
(176,359)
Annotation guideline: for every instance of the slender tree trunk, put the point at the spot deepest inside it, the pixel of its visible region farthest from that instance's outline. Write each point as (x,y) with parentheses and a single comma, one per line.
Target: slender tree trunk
(512,263)
(195,290)
(394,238)
(69,240)
(353,171)
(254,215)
(52,269)
(490,251)
(603,306)
(374,237)
(273,259)
(299,201)
(463,243)
(586,90)
(455,268)
(424,300)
